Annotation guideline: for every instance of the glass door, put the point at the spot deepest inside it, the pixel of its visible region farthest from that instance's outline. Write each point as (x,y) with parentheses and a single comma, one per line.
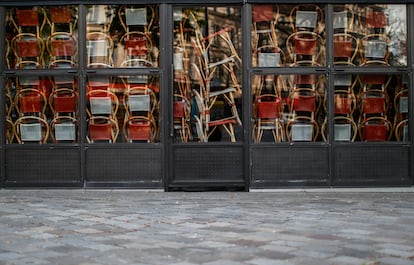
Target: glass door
(207,97)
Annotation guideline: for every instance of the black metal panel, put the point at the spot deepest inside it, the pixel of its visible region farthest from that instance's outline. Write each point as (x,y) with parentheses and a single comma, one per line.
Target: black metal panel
(208,166)
(120,165)
(333,1)
(289,165)
(52,166)
(371,165)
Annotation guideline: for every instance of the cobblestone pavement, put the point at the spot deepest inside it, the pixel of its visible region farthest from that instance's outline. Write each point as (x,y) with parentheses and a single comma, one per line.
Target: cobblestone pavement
(65,227)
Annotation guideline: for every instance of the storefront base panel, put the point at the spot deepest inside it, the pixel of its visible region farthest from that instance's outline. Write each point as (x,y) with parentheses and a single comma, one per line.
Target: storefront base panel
(207,167)
(299,166)
(42,167)
(124,167)
(372,165)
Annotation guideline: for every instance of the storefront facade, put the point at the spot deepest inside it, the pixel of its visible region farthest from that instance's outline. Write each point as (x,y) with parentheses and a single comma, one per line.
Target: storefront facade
(218,95)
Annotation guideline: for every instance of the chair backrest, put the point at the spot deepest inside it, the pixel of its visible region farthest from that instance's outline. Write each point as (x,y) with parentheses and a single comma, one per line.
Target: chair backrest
(27,17)
(62,45)
(342,132)
(179,109)
(64,129)
(342,105)
(266,59)
(136,44)
(375,19)
(100,105)
(136,16)
(100,132)
(306,19)
(373,105)
(99,15)
(376,49)
(305,44)
(63,101)
(60,14)
(343,48)
(263,13)
(268,109)
(302,132)
(340,20)
(306,103)
(139,129)
(375,132)
(138,103)
(31,129)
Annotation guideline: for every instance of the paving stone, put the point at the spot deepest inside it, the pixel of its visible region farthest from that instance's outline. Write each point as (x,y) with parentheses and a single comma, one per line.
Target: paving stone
(106,227)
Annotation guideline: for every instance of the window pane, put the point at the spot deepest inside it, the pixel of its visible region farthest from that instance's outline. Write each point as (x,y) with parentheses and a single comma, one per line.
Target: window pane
(288,35)
(207,74)
(41,37)
(370,35)
(123,109)
(371,108)
(122,36)
(42,109)
(289,108)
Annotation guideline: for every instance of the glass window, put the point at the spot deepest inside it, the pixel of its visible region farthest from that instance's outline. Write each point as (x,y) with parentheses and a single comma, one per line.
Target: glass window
(41,37)
(207,74)
(288,35)
(370,35)
(289,108)
(42,109)
(371,108)
(122,36)
(123,109)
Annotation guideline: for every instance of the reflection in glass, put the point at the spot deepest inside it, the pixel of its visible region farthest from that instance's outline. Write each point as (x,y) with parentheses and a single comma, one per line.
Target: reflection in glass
(42,110)
(288,108)
(122,36)
(41,37)
(288,35)
(370,35)
(370,108)
(123,109)
(207,66)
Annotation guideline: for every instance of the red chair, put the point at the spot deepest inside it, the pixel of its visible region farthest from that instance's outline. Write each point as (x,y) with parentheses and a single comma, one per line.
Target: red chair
(30,102)
(31,129)
(209,126)
(61,17)
(64,129)
(139,129)
(63,101)
(62,49)
(28,50)
(304,104)
(375,129)
(181,116)
(268,118)
(137,38)
(102,129)
(29,20)
(102,103)
(100,49)
(346,48)
(264,39)
(305,44)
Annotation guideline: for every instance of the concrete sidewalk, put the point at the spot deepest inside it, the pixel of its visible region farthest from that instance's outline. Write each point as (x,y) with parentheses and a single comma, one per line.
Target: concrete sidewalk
(315,227)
